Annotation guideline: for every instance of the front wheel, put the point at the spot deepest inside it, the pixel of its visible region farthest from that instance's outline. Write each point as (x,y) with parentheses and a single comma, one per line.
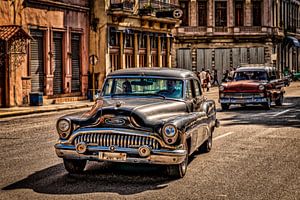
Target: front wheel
(74,166)
(224,106)
(178,171)
(279,101)
(267,105)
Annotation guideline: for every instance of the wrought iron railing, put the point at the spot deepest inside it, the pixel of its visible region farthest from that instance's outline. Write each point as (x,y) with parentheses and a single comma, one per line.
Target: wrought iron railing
(122,4)
(157,5)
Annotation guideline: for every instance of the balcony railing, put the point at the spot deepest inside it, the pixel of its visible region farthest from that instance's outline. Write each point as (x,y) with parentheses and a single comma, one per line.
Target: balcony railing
(121,4)
(250,29)
(194,29)
(221,29)
(157,5)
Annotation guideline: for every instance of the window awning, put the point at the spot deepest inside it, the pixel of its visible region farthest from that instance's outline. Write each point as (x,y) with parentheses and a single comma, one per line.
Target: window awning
(9,31)
(290,40)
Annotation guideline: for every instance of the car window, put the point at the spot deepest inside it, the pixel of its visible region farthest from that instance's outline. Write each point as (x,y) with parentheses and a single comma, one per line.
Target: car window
(250,75)
(171,88)
(197,88)
(189,93)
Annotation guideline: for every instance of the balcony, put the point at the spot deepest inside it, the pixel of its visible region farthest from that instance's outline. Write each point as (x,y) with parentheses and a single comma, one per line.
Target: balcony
(161,9)
(121,4)
(243,31)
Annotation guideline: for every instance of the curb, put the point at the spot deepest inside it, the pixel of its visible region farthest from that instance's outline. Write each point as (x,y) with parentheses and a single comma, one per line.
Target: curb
(42,110)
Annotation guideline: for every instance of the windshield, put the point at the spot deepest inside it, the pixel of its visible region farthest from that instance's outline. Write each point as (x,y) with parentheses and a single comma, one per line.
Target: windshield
(250,75)
(169,88)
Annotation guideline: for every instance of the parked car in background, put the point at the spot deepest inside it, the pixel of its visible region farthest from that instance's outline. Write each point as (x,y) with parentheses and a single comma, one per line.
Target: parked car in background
(296,76)
(252,85)
(143,115)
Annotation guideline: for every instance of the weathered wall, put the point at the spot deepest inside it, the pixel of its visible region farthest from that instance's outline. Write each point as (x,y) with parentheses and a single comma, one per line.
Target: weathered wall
(53,19)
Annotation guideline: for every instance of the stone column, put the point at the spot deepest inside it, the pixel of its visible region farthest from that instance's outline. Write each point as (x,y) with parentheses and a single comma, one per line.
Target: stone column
(148,52)
(168,53)
(159,56)
(193,13)
(248,13)
(210,22)
(135,50)
(122,56)
(230,14)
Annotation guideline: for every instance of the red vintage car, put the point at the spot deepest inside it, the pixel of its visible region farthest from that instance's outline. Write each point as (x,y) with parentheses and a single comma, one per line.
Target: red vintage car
(252,85)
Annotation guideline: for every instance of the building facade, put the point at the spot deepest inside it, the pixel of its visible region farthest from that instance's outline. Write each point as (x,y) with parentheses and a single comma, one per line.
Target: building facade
(55,58)
(128,34)
(224,34)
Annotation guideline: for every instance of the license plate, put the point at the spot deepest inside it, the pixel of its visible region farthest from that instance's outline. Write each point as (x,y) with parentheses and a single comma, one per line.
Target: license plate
(112,156)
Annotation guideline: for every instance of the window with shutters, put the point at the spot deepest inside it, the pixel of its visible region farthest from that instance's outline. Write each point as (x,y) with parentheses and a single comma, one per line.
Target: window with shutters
(202,13)
(221,13)
(239,13)
(256,13)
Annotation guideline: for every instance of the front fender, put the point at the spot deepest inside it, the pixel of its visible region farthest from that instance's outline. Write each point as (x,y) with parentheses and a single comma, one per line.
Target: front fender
(186,121)
(209,108)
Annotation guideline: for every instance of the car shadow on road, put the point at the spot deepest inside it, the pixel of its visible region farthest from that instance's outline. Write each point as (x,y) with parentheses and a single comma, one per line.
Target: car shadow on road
(123,179)
(287,115)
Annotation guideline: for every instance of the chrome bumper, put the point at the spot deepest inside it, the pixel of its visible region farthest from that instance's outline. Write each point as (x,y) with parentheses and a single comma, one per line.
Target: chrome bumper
(256,100)
(161,156)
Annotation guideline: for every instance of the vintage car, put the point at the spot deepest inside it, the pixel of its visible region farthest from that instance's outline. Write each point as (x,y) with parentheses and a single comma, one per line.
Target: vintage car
(252,85)
(143,115)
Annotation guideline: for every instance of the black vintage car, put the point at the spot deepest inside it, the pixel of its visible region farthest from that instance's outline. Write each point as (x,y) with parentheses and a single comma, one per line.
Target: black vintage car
(143,115)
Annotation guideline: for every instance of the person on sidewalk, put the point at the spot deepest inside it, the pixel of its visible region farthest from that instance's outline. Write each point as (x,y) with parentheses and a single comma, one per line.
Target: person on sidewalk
(215,77)
(208,80)
(203,79)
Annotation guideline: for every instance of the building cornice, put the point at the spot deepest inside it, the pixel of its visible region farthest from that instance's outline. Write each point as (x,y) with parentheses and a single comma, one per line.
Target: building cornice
(55,4)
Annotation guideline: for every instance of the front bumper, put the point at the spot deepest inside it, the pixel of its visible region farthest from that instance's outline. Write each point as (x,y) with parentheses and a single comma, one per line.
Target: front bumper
(129,155)
(248,100)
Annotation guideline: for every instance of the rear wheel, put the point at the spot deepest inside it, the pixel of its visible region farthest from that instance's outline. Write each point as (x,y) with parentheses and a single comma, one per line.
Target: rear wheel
(74,166)
(224,106)
(279,101)
(267,105)
(179,170)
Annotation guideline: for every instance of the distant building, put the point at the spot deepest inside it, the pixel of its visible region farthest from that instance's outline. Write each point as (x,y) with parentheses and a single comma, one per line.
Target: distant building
(226,33)
(52,56)
(131,33)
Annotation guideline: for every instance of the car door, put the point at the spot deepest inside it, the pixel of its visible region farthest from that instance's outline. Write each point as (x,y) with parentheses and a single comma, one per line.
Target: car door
(197,97)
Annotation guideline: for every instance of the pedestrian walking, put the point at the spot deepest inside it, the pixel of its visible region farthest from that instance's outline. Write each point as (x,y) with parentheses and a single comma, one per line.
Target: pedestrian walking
(225,76)
(208,80)
(203,79)
(215,77)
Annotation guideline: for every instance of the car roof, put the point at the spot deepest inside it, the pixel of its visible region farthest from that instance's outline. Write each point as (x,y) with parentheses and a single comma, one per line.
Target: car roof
(154,71)
(260,68)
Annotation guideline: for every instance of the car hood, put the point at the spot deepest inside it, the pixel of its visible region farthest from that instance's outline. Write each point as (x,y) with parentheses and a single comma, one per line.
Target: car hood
(146,111)
(241,86)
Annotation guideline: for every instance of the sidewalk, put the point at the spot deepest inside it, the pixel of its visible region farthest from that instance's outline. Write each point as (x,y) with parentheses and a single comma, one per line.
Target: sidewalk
(17,111)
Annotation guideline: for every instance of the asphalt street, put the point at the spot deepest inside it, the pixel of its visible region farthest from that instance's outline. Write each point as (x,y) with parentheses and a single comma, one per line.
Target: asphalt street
(255,155)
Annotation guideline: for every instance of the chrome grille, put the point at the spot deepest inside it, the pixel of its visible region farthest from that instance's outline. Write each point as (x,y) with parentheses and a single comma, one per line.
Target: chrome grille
(121,140)
(243,95)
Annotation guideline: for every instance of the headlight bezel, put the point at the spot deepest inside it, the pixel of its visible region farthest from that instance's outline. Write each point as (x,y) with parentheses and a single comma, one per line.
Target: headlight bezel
(261,87)
(221,88)
(170,133)
(64,132)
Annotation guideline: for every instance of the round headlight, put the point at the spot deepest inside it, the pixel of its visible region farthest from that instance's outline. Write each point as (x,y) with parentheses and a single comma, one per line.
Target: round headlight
(221,88)
(261,87)
(170,133)
(63,125)
(170,130)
